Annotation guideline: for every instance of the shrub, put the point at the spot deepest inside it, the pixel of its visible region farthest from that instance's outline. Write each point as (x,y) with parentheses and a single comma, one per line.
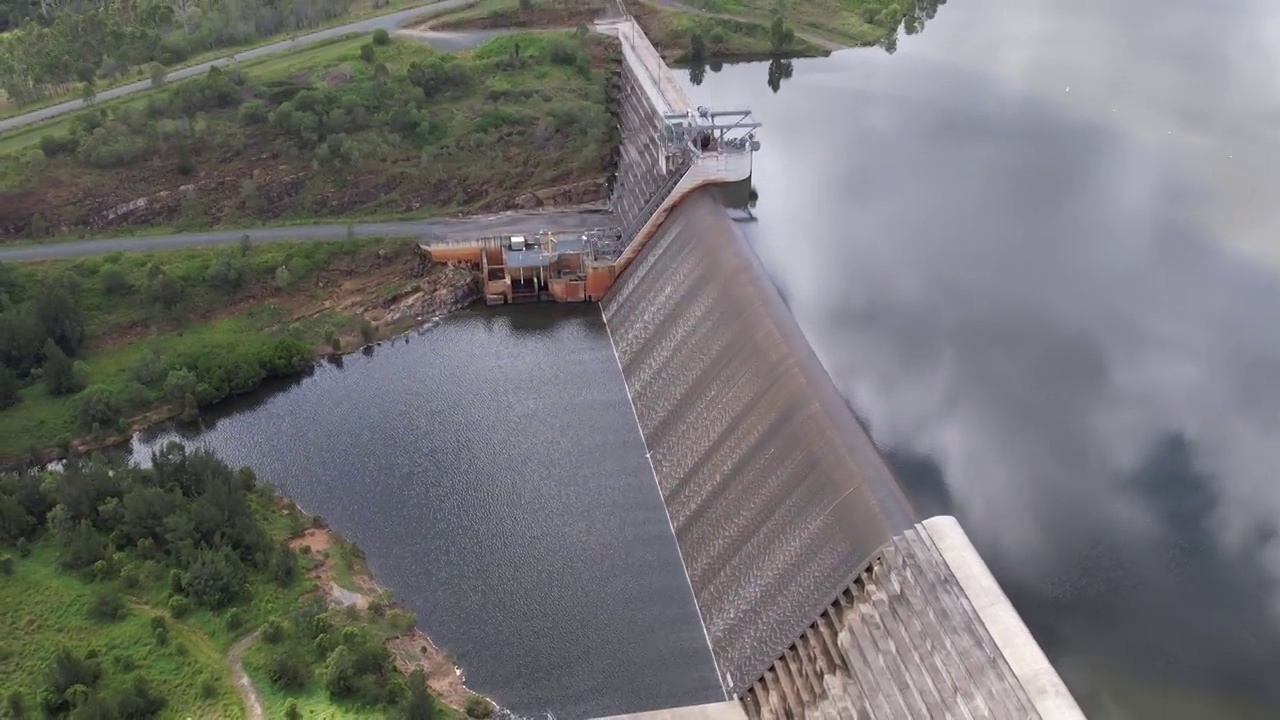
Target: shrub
(254,112)
(478,707)
(291,711)
(9,388)
(6,565)
(215,579)
(179,607)
(367,53)
(59,371)
(107,606)
(367,331)
(186,165)
(381,37)
(114,281)
(289,670)
(99,406)
(52,145)
(272,632)
(234,621)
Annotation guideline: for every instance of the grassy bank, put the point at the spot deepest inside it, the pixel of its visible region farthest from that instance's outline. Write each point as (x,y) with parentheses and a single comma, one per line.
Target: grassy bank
(95,346)
(348,129)
(125,590)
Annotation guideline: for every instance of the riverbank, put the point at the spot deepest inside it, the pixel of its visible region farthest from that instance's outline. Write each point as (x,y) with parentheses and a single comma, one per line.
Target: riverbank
(155,612)
(165,335)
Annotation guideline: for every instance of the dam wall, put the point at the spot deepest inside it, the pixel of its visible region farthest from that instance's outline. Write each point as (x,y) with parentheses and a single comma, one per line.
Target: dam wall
(776,495)
(647,91)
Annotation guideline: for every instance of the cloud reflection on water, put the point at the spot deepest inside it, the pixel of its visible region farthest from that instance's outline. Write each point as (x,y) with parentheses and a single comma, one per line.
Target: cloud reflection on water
(1064,307)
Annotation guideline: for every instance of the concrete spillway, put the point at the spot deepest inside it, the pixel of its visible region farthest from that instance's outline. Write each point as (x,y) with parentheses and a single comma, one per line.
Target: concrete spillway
(776,495)
(821,592)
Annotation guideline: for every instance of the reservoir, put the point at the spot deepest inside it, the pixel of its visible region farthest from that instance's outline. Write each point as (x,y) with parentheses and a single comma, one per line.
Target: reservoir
(491,469)
(1036,248)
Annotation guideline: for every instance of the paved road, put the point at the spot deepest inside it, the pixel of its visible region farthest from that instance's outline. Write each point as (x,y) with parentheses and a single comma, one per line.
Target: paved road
(502,224)
(386,22)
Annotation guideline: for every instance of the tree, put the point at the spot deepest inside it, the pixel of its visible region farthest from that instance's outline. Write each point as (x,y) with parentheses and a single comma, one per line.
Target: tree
(107,606)
(88,93)
(339,673)
(781,36)
(99,408)
(216,579)
(9,387)
(186,165)
(61,317)
(225,273)
(114,281)
(59,372)
(167,293)
(157,74)
(418,703)
(21,342)
(288,669)
(180,390)
(697,48)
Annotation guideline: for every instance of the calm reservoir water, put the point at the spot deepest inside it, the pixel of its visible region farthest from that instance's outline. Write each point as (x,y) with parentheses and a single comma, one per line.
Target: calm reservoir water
(1037,249)
(492,470)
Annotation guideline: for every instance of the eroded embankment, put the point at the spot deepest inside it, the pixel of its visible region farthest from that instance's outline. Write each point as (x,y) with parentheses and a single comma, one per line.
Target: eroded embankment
(776,494)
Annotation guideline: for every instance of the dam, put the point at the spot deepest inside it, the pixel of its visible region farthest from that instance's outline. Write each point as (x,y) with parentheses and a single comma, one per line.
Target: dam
(820,590)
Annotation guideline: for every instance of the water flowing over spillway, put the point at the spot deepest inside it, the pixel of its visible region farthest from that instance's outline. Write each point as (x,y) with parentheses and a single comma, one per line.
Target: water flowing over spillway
(777,496)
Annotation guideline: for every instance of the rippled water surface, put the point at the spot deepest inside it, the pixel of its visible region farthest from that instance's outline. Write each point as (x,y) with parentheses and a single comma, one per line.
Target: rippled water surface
(1036,248)
(493,472)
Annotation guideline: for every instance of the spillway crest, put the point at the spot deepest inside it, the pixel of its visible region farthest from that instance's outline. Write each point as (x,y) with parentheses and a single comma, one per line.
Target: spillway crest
(776,494)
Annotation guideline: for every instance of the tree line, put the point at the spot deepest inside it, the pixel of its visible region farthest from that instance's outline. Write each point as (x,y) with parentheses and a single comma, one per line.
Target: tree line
(43,335)
(54,44)
(193,530)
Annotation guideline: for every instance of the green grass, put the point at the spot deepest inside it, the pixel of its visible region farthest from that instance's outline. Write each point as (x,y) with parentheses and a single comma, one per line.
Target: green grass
(43,610)
(40,420)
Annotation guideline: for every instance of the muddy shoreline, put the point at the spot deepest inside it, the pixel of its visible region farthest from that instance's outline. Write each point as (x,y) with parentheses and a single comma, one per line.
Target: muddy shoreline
(412,651)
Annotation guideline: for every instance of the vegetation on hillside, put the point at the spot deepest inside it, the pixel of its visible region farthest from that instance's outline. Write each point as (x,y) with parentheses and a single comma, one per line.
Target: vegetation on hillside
(850,22)
(362,126)
(696,31)
(123,589)
(86,345)
(674,33)
(55,48)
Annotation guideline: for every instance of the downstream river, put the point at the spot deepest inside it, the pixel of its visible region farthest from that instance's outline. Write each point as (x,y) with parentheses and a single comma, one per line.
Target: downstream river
(1037,248)
(492,471)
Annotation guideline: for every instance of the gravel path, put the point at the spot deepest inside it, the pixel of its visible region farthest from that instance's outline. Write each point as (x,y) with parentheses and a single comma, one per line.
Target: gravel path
(248,693)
